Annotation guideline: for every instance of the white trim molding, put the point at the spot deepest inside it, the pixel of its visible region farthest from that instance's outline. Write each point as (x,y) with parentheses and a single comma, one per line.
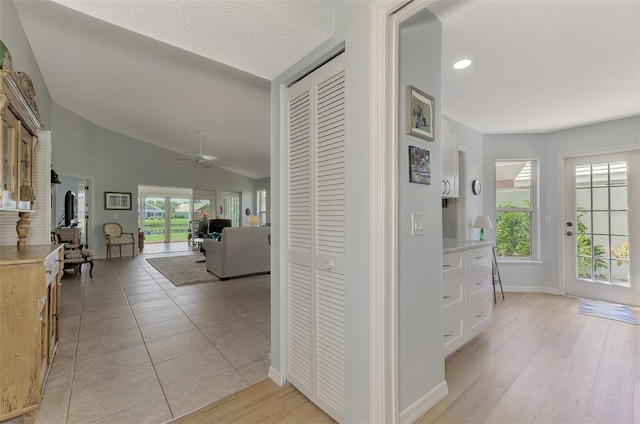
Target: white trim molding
(531,289)
(383,206)
(425,403)
(275,375)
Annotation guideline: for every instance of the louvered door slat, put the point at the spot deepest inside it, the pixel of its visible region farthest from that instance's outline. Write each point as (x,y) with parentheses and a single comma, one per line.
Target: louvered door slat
(301,324)
(315,223)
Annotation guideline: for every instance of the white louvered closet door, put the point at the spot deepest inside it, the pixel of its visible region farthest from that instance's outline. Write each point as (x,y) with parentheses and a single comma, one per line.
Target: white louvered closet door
(316,204)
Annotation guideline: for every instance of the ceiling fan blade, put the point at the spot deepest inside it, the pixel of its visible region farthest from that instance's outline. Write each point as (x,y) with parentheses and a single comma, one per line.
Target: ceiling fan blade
(186,160)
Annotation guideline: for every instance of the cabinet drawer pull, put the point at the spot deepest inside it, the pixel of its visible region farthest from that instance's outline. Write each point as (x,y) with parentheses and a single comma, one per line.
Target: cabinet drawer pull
(479,257)
(448,296)
(49,271)
(480,315)
(446,265)
(448,334)
(479,283)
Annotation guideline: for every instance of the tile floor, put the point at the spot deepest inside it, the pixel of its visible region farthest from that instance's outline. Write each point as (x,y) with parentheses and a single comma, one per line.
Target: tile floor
(135,348)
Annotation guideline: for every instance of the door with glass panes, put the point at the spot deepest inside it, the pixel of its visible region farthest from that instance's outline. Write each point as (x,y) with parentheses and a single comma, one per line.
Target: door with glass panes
(602,227)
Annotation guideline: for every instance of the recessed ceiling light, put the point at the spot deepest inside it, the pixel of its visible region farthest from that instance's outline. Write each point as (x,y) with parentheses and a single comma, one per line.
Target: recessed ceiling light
(461,64)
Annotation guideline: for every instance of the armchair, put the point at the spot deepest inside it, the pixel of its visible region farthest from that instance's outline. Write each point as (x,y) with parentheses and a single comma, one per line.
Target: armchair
(115,237)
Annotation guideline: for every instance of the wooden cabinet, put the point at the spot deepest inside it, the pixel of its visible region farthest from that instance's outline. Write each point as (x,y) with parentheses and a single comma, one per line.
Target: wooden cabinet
(20,122)
(29,312)
(466,295)
(450,171)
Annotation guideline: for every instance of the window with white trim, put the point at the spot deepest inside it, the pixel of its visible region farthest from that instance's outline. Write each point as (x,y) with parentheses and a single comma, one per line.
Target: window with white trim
(516,205)
(261,196)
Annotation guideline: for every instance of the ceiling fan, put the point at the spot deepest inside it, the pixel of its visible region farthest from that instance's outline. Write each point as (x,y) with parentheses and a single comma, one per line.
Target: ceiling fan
(201,159)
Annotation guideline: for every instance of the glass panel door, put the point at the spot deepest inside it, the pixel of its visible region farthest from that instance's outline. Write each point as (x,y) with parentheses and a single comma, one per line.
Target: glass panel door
(153,219)
(231,208)
(179,219)
(601,193)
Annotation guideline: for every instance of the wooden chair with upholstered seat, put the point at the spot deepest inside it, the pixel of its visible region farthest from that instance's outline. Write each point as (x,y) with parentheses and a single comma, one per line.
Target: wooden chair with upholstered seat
(115,237)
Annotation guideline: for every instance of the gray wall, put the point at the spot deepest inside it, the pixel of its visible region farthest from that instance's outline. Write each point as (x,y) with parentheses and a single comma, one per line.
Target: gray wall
(421,357)
(120,163)
(548,149)
(13,36)
(352,26)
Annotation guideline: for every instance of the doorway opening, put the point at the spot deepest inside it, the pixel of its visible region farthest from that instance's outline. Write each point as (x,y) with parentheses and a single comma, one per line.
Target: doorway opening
(164,214)
(71,205)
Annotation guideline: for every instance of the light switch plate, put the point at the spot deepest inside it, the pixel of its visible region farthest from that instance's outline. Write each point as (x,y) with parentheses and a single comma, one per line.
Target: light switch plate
(417,224)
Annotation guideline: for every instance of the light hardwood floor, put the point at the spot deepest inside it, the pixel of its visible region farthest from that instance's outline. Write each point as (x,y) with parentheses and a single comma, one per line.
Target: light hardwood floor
(540,361)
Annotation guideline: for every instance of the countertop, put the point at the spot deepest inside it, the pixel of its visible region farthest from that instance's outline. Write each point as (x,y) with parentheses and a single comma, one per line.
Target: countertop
(454,245)
(10,255)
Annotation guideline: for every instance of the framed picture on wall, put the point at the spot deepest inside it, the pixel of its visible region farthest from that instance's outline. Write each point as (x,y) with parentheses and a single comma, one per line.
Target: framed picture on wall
(419,166)
(117,200)
(419,114)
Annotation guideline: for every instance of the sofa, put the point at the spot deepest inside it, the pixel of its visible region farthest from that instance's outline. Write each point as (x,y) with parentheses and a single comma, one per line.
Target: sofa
(240,251)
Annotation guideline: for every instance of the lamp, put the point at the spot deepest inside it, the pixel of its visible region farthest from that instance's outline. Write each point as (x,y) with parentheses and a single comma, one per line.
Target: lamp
(254,220)
(482,222)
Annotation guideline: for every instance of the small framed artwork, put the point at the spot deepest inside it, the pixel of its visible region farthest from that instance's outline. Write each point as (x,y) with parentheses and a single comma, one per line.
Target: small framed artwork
(117,200)
(419,166)
(419,114)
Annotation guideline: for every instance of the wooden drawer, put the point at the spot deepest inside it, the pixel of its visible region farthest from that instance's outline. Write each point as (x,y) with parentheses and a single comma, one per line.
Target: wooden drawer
(479,316)
(478,258)
(478,284)
(453,295)
(51,265)
(452,264)
(454,332)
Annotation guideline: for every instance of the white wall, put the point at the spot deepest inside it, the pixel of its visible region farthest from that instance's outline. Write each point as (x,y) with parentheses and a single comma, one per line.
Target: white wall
(420,350)
(120,163)
(548,149)
(351,25)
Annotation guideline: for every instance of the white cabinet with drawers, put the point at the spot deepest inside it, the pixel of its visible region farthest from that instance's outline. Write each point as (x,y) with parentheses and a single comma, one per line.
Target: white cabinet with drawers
(466,291)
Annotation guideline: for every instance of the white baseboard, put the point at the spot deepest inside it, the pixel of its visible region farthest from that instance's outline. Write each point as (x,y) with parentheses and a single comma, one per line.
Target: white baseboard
(423,404)
(528,289)
(275,375)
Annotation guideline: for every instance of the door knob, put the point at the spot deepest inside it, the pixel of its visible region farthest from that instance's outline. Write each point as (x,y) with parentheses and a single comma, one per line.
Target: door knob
(569,233)
(569,224)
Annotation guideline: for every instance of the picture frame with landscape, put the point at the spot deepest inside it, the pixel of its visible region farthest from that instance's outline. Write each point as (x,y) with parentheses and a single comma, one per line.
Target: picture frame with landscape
(117,200)
(419,114)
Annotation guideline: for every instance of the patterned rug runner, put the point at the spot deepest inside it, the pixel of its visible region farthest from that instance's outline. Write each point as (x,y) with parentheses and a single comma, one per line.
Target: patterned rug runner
(607,310)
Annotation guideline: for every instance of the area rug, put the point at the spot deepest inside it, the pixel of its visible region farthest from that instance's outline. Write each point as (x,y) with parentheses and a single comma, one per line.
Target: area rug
(182,270)
(607,310)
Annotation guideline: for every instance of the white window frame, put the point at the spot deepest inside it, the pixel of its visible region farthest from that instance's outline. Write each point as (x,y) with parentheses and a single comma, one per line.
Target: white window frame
(261,202)
(533,210)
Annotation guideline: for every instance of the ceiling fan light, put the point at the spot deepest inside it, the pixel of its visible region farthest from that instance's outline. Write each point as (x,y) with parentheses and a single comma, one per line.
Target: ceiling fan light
(462,63)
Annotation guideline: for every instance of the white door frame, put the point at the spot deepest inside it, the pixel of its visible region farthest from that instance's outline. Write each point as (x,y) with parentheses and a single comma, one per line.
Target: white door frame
(383,206)
(560,205)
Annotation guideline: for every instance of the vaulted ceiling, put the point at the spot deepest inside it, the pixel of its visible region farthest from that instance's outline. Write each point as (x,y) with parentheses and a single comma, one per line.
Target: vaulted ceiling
(160,71)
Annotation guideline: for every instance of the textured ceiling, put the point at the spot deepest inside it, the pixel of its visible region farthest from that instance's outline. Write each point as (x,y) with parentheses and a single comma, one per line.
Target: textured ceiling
(263,38)
(540,65)
(154,91)
(159,71)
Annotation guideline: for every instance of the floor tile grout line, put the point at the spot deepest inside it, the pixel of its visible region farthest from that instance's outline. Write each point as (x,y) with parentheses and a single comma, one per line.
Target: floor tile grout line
(121,273)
